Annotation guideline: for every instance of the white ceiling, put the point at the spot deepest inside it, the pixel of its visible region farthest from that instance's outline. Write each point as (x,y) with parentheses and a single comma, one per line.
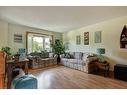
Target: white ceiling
(60,19)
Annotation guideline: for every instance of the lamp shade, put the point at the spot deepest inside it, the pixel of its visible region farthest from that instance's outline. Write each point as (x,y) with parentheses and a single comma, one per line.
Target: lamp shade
(101,50)
(21,50)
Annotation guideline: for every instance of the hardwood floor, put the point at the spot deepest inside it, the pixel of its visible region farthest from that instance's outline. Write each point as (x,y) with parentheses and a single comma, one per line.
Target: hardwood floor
(61,77)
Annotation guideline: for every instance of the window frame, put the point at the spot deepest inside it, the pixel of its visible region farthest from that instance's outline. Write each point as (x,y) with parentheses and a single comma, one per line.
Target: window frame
(41,34)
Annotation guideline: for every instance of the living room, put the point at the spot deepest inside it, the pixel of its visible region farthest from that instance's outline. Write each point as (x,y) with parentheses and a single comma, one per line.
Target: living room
(93,35)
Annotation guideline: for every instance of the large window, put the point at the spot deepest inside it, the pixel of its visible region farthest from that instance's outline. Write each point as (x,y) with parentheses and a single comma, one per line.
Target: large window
(38,42)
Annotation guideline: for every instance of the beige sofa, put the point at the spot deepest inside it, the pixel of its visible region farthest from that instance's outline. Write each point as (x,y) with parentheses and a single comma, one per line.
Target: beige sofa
(79,61)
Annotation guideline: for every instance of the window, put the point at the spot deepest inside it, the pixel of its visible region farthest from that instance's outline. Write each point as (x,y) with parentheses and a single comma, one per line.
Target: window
(38,42)
(47,44)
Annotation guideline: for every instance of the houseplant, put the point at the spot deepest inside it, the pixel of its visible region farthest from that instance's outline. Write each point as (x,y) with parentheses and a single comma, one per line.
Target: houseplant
(58,48)
(7,50)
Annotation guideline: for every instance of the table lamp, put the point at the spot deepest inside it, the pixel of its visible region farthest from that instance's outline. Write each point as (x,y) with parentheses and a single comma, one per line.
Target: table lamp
(22,53)
(101,51)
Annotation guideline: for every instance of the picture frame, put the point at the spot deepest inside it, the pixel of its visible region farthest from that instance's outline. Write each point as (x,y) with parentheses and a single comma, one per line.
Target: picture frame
(78,39)
(18,38)
(97,37)
(86,38)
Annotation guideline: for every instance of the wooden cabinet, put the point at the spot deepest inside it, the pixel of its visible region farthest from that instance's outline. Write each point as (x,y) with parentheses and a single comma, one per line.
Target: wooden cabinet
(123,38)
(2,69)
(1,81)
(120,72)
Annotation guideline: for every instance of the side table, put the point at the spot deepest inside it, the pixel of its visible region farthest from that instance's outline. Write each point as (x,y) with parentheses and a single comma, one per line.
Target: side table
(102,66)
(10,65)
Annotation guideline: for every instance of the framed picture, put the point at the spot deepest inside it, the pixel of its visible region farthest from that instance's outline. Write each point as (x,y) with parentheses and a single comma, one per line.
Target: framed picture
(18,38)
(97,37)
(78,39)
(86,38)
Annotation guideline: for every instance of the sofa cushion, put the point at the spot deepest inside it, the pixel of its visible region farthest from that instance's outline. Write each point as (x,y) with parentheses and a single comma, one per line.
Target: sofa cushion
(76,61)
(35,54)
(78,55)
(72,53)
(44,55)
(64,60)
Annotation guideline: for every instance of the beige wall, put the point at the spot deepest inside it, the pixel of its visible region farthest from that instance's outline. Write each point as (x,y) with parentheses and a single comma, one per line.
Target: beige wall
(111,31)
(7,31)
(3,33)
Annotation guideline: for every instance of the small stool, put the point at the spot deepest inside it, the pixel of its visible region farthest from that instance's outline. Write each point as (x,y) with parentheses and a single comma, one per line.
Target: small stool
(25,82)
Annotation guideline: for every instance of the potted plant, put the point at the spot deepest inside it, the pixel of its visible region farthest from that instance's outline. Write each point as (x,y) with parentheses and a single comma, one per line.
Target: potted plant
(7,50)
(58,48)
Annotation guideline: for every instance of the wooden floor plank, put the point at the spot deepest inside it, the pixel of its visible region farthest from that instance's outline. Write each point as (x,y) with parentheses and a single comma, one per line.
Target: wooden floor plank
(61,77)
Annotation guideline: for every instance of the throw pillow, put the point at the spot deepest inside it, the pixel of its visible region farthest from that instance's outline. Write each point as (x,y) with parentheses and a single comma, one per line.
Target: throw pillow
(85,57)
(51,55)
(68,55)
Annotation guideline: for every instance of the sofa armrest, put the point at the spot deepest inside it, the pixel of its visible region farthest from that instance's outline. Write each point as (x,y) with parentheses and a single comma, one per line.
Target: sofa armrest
(90,64)
(91,59)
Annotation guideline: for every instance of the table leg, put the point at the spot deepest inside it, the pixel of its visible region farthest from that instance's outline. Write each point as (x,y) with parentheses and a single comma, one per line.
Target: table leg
(9,76)
(26,68)
(106,71)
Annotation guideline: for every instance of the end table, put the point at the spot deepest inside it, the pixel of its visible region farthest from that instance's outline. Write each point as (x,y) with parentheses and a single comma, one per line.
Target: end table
(102,66)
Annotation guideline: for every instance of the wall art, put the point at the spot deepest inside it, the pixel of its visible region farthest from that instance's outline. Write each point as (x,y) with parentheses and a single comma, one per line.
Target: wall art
(97,37)
(78,39)
(86,38)
(18,38)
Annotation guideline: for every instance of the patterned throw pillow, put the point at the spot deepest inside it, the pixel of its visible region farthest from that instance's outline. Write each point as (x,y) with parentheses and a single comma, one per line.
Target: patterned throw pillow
(85,56)
(68,55)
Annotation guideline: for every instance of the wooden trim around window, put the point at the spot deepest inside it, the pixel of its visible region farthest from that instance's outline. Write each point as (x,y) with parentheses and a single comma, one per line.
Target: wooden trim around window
(36,33)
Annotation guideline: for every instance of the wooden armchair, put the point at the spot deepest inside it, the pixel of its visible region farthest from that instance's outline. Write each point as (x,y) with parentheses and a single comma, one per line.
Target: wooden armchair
(2,68)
